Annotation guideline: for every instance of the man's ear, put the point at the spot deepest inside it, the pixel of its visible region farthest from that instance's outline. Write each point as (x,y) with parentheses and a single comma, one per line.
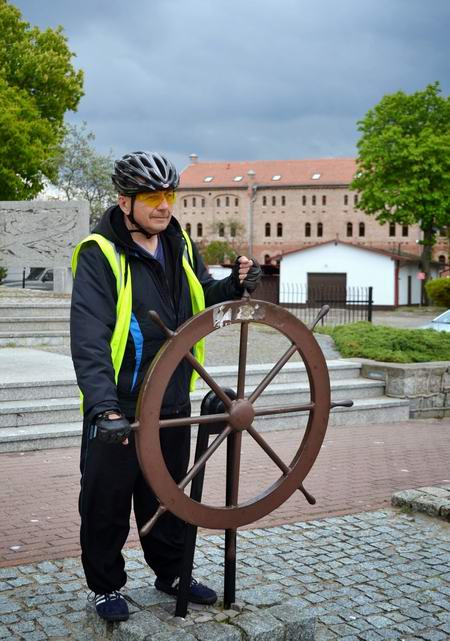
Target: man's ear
(124,203)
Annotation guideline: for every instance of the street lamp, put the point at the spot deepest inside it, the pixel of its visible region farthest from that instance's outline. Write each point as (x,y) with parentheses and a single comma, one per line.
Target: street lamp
(252,197)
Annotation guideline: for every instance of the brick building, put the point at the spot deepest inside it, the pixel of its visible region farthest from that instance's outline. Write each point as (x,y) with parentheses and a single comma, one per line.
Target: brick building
(288,204)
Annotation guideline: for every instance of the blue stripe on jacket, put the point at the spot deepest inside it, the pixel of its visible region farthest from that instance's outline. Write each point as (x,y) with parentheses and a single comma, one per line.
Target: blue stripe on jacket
(138,340)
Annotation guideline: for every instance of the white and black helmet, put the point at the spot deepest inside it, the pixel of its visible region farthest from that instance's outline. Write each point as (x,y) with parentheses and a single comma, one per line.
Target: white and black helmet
(144,171)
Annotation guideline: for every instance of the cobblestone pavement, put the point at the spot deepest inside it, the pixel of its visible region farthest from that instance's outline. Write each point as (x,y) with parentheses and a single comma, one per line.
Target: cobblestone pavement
(370,576)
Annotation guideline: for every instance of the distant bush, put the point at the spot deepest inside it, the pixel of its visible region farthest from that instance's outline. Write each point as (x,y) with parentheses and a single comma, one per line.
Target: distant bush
(390,344)
(3,272)
(439,291)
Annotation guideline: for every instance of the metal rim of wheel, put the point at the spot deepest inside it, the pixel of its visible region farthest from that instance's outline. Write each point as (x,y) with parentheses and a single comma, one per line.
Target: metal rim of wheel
(238,416)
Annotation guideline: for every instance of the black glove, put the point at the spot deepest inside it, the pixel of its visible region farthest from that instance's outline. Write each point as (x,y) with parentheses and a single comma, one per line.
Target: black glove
(252,278)
(111,430)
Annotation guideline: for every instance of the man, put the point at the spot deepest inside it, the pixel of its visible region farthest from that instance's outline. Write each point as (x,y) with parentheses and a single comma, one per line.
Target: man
(138,259)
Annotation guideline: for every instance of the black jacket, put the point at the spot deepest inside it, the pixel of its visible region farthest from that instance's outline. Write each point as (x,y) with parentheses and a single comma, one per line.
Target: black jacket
(93,314)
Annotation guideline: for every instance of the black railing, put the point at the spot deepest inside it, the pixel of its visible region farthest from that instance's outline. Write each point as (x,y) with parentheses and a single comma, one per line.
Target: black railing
(347,304)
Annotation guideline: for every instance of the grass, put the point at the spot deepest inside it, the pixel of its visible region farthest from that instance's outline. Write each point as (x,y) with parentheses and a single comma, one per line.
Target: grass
(390,344)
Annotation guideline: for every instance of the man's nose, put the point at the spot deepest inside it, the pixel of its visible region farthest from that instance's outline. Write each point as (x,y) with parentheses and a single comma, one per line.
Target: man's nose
(163,204)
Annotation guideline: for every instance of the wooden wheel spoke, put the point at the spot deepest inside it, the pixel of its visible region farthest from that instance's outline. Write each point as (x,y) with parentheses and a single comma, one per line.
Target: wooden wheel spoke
(286,409)
(208,379)
(194,420)
(204,458)
(273,372)
(242,360)
(268,450)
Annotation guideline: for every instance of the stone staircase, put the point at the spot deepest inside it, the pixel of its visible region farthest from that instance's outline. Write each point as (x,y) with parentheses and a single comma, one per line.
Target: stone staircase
(39,403)
(44,322)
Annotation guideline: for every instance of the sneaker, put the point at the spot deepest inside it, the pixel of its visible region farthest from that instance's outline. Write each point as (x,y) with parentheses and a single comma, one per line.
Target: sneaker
(198,593)
(111,606)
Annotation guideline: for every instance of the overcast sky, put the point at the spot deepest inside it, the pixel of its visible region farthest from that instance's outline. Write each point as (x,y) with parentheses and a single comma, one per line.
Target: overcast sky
(247,79)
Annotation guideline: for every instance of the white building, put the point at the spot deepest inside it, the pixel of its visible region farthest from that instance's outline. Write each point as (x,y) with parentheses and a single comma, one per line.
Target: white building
(394,278)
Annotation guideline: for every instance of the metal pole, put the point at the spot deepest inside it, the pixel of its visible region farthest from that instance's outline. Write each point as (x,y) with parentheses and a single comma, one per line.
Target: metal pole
(251,195)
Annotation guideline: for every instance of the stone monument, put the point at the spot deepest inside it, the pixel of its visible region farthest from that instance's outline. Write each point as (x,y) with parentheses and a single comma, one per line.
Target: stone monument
(38,233)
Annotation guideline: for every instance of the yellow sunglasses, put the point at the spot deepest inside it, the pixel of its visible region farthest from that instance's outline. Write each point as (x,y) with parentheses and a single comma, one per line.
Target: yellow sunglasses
(155,198)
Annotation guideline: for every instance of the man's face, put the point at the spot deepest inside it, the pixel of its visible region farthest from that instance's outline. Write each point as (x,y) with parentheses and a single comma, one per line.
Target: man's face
(152,210)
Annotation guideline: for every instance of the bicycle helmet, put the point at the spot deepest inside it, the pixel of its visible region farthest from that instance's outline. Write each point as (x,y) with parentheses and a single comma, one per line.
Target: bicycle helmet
(143,171)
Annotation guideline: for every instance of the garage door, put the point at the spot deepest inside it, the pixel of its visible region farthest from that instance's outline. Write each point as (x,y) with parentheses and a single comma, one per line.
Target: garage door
(327,288)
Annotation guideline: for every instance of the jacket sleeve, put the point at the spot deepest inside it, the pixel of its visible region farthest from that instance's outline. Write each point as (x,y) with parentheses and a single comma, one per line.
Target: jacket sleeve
(92,321)
(216,291)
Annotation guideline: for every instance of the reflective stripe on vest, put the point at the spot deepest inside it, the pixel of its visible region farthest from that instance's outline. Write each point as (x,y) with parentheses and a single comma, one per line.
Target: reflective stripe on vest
(124,303)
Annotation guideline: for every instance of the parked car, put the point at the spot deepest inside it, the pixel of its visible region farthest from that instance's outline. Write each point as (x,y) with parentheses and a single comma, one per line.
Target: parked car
(441,323)
(38,278)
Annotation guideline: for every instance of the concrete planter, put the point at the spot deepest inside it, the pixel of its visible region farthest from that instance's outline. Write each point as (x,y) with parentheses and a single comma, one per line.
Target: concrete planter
(425,385)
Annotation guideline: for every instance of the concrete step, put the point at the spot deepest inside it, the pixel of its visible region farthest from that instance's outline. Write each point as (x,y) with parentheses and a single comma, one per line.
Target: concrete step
(36,310)
(52,435)
(290,373)
(38,390)
(276,395)
(40,437)
(36,324)
(34,339)
(39,412)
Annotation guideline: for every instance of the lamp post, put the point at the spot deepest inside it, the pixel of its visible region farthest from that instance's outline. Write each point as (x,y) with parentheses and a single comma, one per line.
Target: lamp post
(251,199)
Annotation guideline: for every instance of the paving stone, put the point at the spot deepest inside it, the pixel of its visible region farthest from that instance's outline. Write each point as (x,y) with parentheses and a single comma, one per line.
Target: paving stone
(217,632)
(260,628)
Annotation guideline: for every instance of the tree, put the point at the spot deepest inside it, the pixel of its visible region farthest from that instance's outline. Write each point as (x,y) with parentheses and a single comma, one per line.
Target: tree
(232,231)
(404,163)
(38,84)
(218,252)
(84,173)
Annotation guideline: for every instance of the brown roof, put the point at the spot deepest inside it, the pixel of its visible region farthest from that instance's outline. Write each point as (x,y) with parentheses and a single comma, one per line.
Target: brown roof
(331,171)
(403,257)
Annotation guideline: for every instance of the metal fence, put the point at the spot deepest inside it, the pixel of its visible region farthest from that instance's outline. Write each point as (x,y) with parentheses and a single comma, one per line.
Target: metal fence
(347,304)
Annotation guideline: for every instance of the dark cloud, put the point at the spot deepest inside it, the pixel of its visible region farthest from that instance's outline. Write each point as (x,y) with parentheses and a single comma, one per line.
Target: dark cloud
(234,80)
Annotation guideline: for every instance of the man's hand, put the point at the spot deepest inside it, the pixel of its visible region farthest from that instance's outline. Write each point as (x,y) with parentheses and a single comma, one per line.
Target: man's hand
(246,272)
(112,427)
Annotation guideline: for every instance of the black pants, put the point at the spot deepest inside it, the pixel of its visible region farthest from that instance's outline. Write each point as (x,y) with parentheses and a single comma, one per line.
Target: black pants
(110,480)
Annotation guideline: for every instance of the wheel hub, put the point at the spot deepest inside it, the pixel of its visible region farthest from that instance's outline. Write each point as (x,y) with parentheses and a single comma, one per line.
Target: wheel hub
(241,415)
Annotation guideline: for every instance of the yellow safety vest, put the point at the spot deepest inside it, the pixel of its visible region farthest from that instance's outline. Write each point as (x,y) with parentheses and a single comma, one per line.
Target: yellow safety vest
(116,260)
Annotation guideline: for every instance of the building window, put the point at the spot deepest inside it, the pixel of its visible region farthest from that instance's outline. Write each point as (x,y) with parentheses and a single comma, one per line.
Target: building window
(199,230)
(221,230)
(283,201)
(355,199)
(203,202)
(185,202)
(274,201)
(405,230)
(303,200)
(264,201)
(362,229)
(266,259)
(194,202)
(391,229)
(324,201)
(346,199)
(441,259)
(349,230)
(227,201)
(232,230)
(319,229)
(314,200)
(267,230)
(307,230)
(188,228)
(236,202)
(218,202)
(279,230)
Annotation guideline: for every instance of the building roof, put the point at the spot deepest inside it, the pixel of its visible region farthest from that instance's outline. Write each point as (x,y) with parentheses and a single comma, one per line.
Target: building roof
(402,256)
(273,173)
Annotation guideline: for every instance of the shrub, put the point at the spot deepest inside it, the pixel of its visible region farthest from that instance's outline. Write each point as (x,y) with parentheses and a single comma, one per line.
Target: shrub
(439,291)
(390,344)
(3,272)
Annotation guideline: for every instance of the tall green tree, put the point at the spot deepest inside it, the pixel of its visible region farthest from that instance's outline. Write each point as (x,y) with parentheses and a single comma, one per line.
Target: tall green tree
(83,172)
(38,85)
(403,163)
